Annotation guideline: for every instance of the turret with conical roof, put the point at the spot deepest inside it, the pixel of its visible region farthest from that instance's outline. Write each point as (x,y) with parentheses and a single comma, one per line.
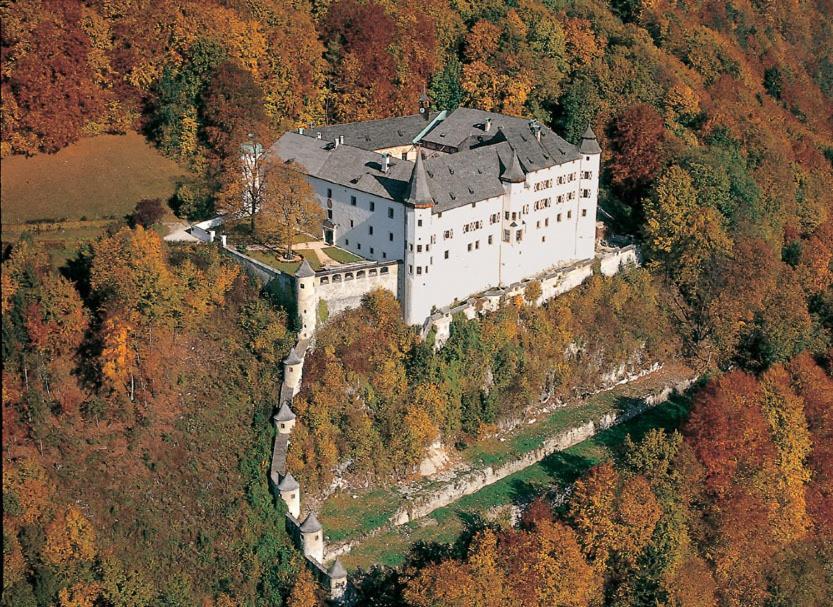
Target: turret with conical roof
(589,144)
(306,299)
(338,579)
(293,366)
(313,538)
(291,495)
(419,194)
(284,419)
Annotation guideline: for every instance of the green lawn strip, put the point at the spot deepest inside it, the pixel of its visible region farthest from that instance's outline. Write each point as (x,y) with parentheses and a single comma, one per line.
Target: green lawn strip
(341,256)
(96,177)
(60,244)
(558,469)
(344,517)
(273,260)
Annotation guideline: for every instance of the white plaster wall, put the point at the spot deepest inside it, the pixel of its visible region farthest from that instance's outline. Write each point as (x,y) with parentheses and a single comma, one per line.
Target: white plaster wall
(586,229)
(346,293)
(353,223)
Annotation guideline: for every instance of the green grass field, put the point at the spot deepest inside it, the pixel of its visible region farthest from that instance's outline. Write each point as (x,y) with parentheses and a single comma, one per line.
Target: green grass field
(97,178)
(341,256)
(558,470)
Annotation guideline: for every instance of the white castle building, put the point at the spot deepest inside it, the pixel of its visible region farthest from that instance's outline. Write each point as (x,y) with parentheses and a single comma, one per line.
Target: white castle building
(465,200)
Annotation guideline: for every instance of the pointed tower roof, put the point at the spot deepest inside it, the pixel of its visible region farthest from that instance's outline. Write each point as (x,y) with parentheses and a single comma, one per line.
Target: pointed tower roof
(284,414)
(305,270)
(337,570)
(589,144)
(512,173)
(418,192)
(288,483)
(293,358)
(310,524)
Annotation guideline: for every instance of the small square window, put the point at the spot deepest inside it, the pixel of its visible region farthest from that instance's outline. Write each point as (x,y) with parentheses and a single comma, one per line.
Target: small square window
(390,213)
(584,212)
(419,248)
(419,269)
(446,254)
(491,239)
(353,200)
(419,222)
(372,206)
(384,255)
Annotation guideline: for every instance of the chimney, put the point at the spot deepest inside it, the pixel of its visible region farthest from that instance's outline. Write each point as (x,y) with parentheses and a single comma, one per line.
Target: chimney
(385,163)
(318,135)
(336,142)
(341,138)
(488,126)
(535,128)
(300,130)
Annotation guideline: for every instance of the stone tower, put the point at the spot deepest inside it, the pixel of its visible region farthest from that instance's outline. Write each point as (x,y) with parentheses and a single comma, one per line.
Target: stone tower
(313,538)
(307,300)
(293,367)
(284,419)
(291,495)
(589,168)
(338,580)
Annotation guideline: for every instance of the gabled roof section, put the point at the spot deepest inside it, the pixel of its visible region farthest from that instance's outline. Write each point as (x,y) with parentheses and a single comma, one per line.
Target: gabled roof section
(374,134)
(284,414)
(305,270)
(512,173)
(419,194)
(288,483)
(589,143)
(310,524)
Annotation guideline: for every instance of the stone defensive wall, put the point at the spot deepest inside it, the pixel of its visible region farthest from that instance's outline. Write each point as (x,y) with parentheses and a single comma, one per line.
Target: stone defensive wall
(611,260)
(343,287)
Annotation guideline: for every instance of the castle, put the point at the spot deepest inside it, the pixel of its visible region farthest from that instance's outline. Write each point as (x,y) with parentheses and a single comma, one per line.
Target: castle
(458,202)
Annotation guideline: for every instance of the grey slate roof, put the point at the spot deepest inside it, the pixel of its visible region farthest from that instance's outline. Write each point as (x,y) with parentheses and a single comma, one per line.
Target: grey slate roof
(305,270)
(375,134)
(310,524)
(284,414)
(337,570)
(513,173)
(589,143)
(288,483)
(293,358)
(418,190)
(469,175)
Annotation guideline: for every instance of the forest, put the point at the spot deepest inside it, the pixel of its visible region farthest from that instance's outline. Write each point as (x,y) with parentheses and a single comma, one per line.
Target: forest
(138,378)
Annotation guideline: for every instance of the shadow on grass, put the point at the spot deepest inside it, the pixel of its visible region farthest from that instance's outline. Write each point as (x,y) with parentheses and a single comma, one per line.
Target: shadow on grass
(668,416)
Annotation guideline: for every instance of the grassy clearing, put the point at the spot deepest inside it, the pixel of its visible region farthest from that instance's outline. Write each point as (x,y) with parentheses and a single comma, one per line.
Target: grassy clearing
(343,516)
(558,470)
(96,178)
(274,260)
(61,243)
(341,256)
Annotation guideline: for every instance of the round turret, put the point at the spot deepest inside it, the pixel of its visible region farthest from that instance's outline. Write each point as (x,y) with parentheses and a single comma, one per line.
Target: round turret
(290,492)
(293,367)
(313,538)
(284,419)
(338,579)
(307,300)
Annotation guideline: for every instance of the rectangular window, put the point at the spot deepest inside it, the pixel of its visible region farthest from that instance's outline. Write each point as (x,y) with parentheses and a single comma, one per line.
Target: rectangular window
(419,269)
(558,217)
(329,193)
(469,245)
(419,222)
(390,213)
(370,230)
(359,246)
(410,269)
(384,255)
(569,214)
(412,247)
(353,200)
(346,242)
(390,236)
(404,155)
(538,224)
(351,223)
(371,250)
(546,222)
(372,206)
(329,213)
(586,175)
(585,193)
(419,248)
(448,234)
(543,239)
(476,244)
(491,239)
(506,214)
(584,212)
(494,218)
(446,254)
(519,235)
(507,235)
